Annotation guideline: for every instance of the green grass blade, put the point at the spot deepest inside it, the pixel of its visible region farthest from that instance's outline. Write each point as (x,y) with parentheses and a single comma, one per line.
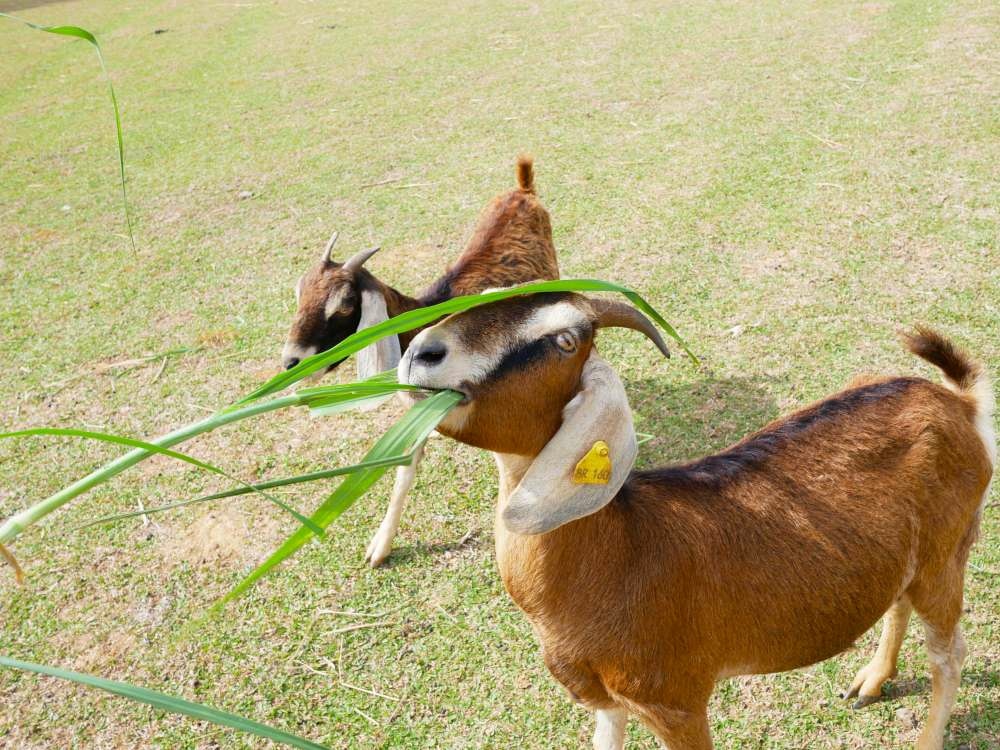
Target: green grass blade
(152,448)
(79,33)
(312,476)
(403,436)
(337,407)
(320,395)
(424,315)
(169,703)
(17,523)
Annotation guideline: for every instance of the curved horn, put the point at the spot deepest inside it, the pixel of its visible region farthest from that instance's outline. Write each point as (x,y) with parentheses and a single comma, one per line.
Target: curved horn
(357,260)
(614,314)
(329,246)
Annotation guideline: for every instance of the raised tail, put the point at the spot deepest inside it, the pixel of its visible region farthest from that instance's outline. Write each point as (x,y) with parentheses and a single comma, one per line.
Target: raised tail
(526,173)
(962,374)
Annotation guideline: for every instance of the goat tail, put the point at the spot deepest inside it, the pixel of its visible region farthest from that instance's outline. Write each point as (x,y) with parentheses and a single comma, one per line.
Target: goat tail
(526,173)
(962,374)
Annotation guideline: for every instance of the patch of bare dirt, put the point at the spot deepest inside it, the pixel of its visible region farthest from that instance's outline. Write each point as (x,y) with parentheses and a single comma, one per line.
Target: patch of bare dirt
(219,537)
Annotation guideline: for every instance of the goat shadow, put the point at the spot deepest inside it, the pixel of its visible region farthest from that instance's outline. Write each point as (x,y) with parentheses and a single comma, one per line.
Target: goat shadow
(696,419)
(975,722)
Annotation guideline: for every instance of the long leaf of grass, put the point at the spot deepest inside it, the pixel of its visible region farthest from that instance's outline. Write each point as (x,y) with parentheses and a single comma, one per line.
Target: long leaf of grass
(424,315)
(79,33)
(133,443)
(402,437)
(312,476)
(17,523)
(170,703)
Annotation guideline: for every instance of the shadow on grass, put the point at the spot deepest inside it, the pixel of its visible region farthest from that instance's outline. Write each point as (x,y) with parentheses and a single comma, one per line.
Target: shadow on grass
(975,722)
(697,419)
(405,554)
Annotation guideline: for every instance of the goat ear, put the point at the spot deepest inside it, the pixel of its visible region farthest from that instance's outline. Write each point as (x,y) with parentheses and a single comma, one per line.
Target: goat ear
(383,354)
(550,493)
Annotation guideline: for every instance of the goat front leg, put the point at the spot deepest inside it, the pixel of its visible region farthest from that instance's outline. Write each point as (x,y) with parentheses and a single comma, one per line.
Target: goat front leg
(381,544)
(609,732)
(867,686)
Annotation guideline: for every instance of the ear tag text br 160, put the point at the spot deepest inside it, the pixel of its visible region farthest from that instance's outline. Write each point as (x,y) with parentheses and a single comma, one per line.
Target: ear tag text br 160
(595,467)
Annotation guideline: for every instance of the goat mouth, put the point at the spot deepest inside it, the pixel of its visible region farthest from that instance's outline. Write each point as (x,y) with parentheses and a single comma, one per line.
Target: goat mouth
(426,392)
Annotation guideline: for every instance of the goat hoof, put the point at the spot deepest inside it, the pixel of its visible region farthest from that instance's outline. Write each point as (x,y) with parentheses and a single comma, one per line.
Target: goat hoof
(377,552)
(848,694)
(865,700)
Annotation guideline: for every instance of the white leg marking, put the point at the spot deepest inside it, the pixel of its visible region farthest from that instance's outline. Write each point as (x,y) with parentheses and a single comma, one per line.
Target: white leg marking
(946,654)
(609,732)
(985,407)
(381,543)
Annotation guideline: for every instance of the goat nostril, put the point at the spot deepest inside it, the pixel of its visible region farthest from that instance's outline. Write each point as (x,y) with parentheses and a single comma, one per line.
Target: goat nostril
(291,362)
(431,354)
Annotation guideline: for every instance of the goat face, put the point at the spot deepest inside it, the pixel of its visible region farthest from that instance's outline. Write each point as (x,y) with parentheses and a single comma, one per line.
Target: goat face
(330,308)
(518,362)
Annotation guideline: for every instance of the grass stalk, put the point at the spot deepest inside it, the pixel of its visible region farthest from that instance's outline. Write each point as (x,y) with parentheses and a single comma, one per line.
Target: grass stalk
(165,702)
(270,484)
(17,523)
(403,437)
(80,33)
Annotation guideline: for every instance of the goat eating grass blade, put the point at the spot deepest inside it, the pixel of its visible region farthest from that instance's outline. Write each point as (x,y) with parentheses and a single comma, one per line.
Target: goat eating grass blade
(402,437)
(169,703)
(422,316)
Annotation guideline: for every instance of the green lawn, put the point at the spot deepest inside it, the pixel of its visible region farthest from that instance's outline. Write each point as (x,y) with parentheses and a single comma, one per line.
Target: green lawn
(788,182)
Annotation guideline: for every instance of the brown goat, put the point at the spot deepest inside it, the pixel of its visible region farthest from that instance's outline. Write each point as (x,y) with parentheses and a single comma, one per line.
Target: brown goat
(647,587)
(512,244)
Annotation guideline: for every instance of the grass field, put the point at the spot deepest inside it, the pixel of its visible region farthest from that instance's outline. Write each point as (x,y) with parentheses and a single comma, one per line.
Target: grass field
(788,182)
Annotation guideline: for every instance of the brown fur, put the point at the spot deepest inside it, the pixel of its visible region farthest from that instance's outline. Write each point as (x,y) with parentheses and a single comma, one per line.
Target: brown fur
(512,244)
(771,555)
(932,346)
(526,174)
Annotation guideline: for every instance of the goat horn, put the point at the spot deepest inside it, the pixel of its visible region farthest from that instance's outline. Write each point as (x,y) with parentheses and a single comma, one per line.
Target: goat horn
(357,260)
(329,246)
(614,314)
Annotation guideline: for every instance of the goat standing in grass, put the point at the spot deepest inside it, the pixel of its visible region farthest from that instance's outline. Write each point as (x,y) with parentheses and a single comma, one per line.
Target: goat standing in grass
(647,587)
(512,244)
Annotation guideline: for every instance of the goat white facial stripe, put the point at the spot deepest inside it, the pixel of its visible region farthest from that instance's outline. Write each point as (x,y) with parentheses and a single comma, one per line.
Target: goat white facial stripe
(550,319)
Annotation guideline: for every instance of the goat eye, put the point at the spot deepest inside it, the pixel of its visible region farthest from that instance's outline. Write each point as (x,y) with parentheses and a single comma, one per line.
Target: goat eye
(565,341)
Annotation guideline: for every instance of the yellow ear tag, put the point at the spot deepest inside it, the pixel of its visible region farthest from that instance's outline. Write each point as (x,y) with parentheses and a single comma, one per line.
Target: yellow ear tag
(595,467)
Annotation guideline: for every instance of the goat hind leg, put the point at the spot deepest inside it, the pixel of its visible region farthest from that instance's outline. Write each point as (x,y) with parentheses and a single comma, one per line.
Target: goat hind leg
(867,685)
(938,602)
(946,651)
(381,544)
